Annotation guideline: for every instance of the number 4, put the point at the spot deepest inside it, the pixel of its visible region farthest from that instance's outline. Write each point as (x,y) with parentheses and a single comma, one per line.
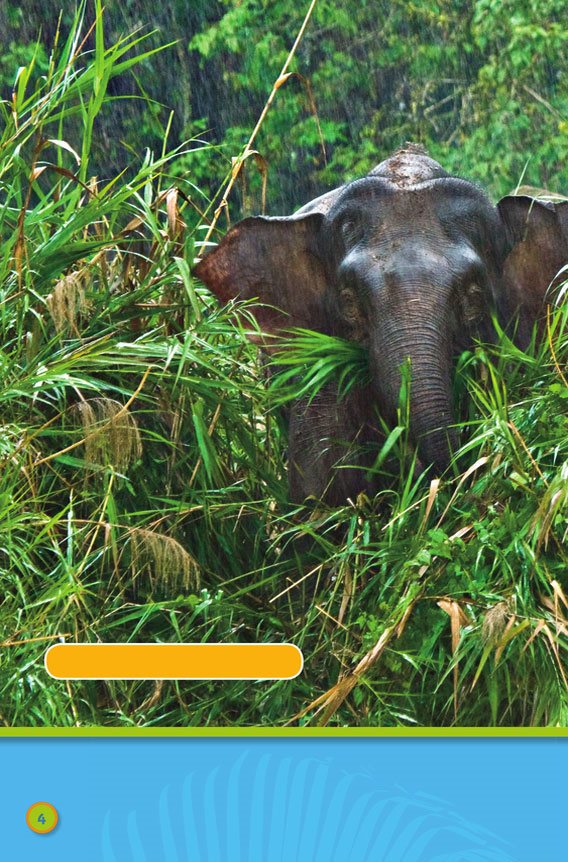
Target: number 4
(41,819)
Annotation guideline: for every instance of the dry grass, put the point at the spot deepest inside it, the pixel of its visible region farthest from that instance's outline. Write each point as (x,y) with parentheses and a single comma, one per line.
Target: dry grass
(67,302)
(162,560)
(111,433)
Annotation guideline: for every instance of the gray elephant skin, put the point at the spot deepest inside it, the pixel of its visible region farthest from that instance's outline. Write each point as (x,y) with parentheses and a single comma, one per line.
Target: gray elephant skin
(409,261)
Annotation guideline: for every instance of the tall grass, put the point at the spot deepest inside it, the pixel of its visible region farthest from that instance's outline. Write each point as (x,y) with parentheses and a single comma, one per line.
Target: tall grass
(142,483)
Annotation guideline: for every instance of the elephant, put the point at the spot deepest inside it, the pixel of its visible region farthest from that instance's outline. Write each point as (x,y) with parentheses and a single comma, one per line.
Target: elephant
(410,261)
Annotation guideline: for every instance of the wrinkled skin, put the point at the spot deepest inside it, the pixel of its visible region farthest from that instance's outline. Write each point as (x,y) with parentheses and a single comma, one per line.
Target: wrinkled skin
(409,261)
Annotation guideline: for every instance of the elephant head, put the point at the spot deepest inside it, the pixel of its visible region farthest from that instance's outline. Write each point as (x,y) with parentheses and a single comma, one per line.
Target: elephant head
(408,260)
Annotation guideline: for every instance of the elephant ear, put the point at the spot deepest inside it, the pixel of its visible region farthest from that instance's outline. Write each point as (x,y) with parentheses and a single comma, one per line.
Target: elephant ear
(537,242)
(274,260)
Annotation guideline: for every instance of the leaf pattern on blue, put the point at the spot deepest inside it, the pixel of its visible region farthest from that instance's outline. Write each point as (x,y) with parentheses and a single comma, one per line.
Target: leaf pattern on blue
(274,809)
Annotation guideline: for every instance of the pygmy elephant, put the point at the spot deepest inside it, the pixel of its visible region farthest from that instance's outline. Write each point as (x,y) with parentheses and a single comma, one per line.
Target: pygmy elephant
(410,261)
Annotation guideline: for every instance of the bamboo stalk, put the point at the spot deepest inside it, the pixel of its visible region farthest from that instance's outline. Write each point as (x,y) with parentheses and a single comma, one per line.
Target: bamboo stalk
(248,147)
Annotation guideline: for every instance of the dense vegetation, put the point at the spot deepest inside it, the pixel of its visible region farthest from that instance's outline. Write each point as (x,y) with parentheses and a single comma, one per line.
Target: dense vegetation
(483,84)
(142,487)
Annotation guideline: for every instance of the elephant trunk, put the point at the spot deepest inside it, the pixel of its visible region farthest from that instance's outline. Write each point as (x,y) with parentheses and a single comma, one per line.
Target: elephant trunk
(425,345)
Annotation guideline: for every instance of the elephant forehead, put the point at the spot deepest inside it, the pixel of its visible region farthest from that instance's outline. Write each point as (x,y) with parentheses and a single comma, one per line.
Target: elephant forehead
(408,168)
(383,207)
(443,207)
(374,200)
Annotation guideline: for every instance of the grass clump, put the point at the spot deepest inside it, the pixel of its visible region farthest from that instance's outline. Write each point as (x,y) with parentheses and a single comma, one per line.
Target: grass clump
(142,486)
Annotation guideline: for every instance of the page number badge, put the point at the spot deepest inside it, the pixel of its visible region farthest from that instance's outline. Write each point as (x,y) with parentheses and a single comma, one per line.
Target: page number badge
(42,817)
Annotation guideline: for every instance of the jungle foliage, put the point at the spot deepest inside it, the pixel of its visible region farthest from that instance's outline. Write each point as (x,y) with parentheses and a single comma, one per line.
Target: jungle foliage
(484,85)
(142,453)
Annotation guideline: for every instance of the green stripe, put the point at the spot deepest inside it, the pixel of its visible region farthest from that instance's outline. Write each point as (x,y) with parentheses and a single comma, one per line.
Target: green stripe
(287,732)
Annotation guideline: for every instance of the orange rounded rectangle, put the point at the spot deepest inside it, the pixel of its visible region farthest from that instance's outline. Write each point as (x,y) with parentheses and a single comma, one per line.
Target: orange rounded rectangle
(173,661)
